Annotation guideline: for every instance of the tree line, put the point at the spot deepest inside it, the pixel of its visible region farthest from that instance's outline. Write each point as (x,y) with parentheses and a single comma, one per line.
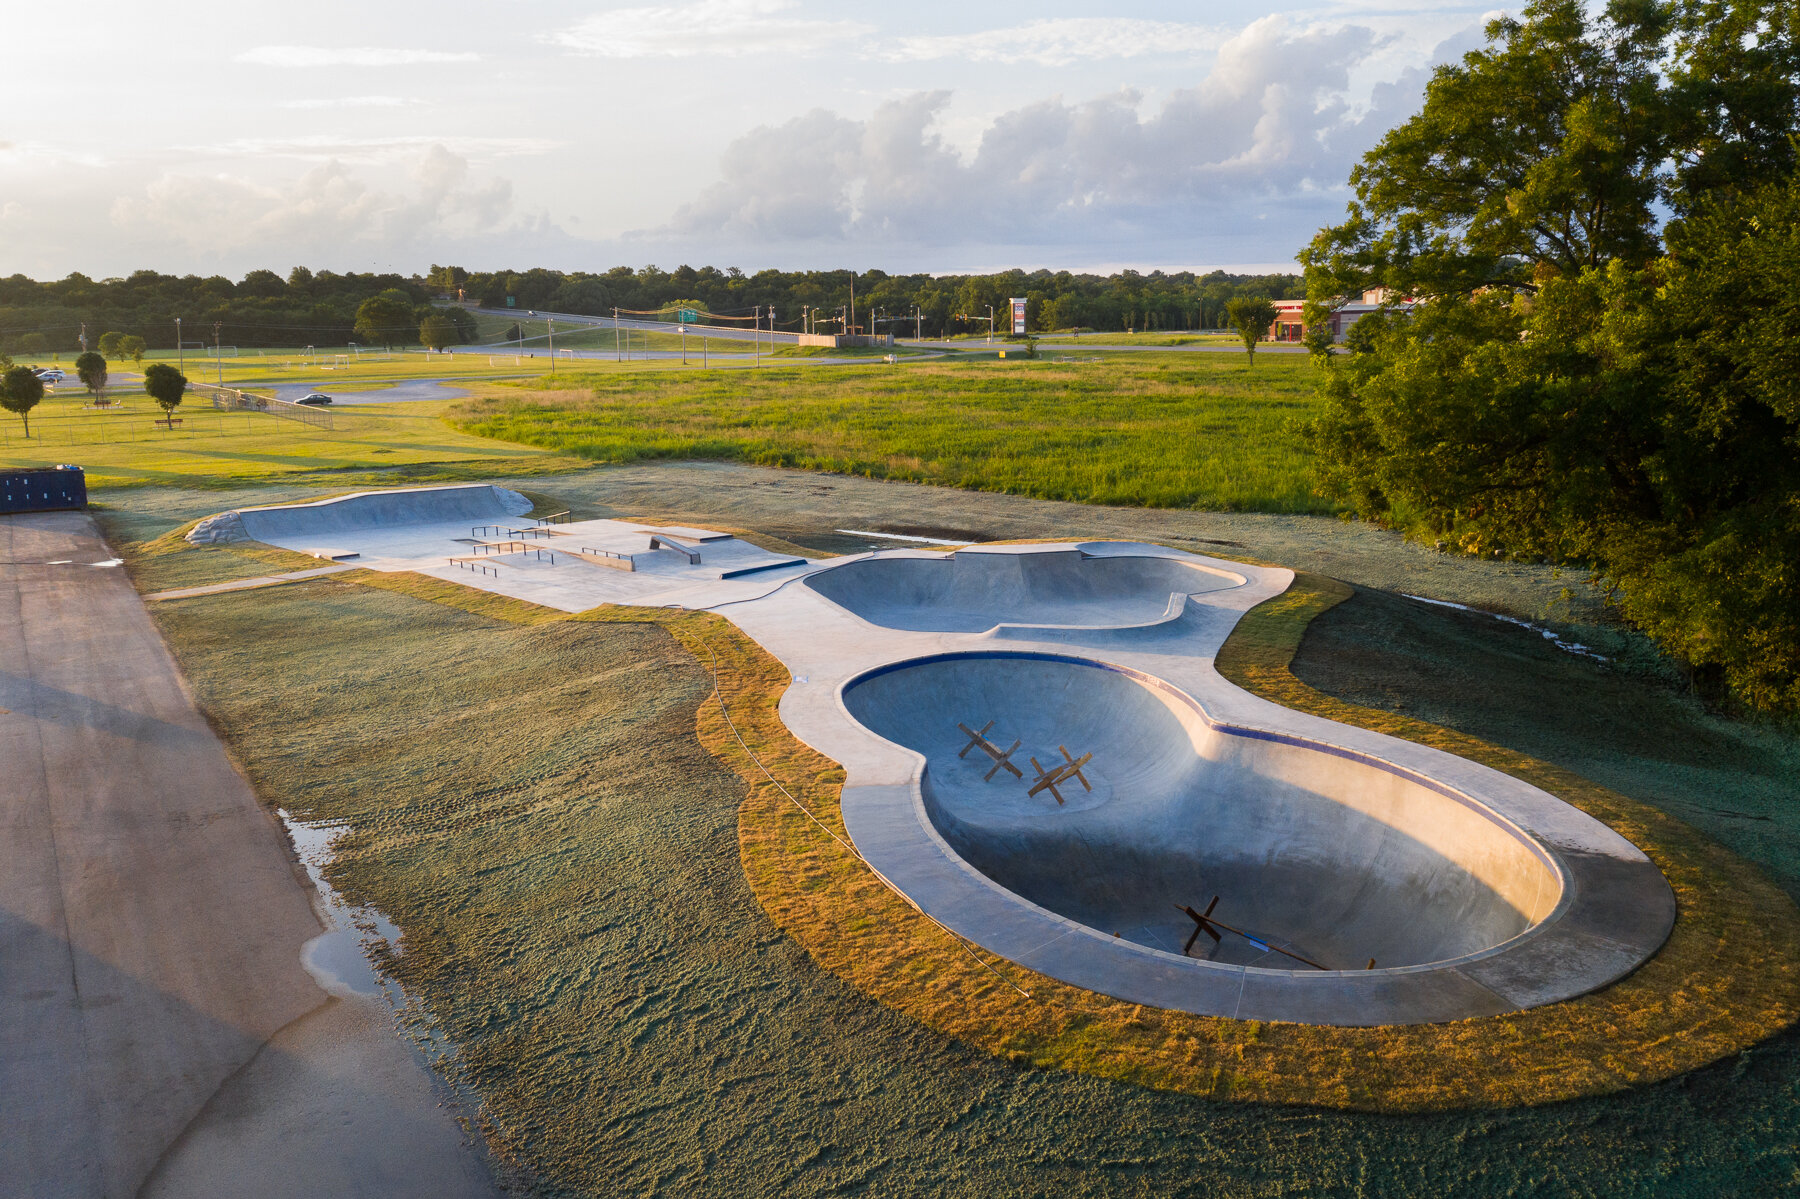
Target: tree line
(265,309)
(935,305)
(262,309)
(1599,215)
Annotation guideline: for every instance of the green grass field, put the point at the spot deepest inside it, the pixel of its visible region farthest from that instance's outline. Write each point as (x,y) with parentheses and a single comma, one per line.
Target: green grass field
(392,443)
(1172,431)
(1226,338)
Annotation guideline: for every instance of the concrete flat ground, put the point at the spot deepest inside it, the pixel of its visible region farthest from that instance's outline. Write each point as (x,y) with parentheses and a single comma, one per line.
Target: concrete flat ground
(157,1019)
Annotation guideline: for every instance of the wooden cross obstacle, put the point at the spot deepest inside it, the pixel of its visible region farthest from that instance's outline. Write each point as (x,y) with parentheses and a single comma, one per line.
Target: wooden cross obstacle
(1206,922)
(1061,772)
(993,751)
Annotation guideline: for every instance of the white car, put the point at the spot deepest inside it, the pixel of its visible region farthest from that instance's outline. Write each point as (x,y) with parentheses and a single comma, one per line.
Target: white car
(52,375)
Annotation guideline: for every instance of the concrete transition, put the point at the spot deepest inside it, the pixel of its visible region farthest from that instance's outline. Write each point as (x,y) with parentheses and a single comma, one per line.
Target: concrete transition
(279,523)
(971,593)
(1133,823)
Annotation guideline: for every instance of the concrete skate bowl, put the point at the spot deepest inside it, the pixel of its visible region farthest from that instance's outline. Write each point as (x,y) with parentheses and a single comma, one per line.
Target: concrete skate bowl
(1334,857)
(363,510)
(974,591)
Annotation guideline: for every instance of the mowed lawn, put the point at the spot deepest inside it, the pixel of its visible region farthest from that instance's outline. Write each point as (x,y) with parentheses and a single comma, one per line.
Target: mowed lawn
(209,448)
(1211,431)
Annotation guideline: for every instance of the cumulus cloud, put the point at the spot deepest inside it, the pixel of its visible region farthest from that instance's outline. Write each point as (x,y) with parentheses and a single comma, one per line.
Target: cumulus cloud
(1270,129)
(712,27)
(368,150)
(349,56)
(1060,42)
(321,213)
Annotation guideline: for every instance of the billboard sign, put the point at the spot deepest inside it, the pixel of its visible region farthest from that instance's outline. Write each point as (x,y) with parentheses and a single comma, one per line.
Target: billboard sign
(1018,314)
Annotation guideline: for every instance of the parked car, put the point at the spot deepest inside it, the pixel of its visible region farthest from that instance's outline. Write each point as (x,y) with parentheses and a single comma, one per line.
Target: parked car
(315,399)
(52,375)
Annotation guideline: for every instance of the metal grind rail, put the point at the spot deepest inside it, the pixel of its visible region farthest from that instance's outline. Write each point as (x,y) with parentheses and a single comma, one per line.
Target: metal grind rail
(508,531)
(556,518)
(516,547)
(476,565)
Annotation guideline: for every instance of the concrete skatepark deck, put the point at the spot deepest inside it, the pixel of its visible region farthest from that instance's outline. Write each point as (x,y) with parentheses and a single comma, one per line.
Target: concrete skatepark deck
(1328,846)
(161,1035)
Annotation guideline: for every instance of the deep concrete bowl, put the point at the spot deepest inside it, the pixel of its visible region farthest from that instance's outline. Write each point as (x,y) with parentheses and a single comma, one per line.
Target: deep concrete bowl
(1322,858)
(973,591)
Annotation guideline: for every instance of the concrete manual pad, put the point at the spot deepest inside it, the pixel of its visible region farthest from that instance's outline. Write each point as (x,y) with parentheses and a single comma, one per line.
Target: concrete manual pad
(1327,845)
(152,923)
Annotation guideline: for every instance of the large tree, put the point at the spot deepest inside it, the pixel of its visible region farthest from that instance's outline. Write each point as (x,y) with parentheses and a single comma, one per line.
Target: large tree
(1570,387)
(1550,149)
(20,391)
(387,318)
(437,331)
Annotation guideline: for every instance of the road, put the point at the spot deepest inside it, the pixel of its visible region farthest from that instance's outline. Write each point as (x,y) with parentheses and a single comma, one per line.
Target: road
(161,1035)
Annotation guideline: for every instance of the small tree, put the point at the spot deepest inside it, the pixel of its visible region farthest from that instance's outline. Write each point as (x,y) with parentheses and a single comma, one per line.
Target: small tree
(132,346)
(1319,342)
(32,343)
(166,386)
(91,367)
(1251,317)
(437,331)
(20,391)
(109,344)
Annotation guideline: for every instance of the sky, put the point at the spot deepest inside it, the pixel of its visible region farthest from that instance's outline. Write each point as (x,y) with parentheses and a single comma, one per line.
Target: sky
(212,137)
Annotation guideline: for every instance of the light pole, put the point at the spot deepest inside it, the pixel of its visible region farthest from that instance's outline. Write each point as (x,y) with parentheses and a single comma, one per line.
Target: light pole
(617,356)
(178,358)
(551,326)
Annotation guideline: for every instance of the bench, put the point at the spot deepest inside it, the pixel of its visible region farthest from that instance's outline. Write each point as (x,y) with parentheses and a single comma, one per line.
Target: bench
(168,422)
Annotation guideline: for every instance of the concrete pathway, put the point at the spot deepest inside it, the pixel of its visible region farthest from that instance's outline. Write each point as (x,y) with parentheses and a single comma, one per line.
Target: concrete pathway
(293,576)
(158,1022)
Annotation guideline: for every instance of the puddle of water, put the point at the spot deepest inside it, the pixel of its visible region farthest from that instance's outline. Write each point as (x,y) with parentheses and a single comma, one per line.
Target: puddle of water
(1572,647)
(338,958)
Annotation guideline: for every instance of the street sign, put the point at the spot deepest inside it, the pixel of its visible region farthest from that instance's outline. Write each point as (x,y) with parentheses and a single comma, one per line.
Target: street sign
(1018,314)
(689,316)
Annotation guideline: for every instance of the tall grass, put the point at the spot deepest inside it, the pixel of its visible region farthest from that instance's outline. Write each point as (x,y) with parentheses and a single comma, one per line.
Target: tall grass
(1174,431)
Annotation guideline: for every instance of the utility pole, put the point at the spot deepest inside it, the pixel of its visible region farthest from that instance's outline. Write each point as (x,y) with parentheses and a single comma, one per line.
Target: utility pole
(178,358)
(551,325)
(990,324)
(218,355)
(852,320)
(84,337)
(617,356)
(918,323)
